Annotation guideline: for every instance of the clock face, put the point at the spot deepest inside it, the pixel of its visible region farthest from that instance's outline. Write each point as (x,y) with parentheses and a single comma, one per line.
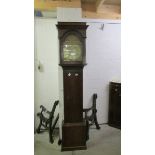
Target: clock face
(72,48)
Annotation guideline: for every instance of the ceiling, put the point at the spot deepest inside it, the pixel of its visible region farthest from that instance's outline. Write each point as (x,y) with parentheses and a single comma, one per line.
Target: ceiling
(105,9)
(114,2)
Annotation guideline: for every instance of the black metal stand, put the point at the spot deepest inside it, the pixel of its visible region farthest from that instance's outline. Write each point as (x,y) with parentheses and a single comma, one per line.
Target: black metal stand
(47,122)
(91,119)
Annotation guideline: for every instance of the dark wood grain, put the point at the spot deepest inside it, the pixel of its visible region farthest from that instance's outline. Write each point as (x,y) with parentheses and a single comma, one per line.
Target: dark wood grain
(76,138)
(115,105)
(73,95)
(74,127)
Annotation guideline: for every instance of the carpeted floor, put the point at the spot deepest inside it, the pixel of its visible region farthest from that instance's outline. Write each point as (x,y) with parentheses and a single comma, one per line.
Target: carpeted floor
(106,141)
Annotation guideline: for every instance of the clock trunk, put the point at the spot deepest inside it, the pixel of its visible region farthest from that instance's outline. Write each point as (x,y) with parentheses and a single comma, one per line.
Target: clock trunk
(73,94)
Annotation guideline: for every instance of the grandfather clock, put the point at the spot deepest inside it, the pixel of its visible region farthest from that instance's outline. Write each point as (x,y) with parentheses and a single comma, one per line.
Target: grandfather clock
(72,46)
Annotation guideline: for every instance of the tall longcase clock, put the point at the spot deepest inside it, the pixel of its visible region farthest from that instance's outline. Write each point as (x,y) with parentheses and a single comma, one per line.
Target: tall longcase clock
(72,45)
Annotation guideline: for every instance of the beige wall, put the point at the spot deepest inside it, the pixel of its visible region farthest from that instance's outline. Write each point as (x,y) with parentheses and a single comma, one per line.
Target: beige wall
(46,53)
(103,58)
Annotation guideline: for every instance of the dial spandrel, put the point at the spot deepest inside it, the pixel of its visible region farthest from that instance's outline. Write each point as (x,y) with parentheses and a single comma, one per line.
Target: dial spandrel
(72,49)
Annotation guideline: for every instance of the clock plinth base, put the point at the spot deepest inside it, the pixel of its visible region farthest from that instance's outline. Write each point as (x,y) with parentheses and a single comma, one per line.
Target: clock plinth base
(74,136)
(73,148)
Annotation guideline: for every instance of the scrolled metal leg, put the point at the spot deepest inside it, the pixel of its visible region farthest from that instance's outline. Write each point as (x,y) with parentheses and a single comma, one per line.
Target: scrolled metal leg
(51,129)
(96,122)
(39,127)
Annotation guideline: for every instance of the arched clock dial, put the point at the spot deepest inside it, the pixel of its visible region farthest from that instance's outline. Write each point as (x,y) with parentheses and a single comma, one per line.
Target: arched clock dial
(72,48)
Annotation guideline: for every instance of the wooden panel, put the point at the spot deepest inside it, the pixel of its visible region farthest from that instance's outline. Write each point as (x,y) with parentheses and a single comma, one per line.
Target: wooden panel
(94,15)
(45,5)
(106,11)
(73,95)
(88,7)
(52,5)
(74,136)
(113,2)
(115,105)
(99,3)
(109,8)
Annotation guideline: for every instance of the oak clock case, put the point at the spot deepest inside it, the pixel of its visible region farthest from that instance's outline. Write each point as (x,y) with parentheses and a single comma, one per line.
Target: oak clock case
(72,36)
